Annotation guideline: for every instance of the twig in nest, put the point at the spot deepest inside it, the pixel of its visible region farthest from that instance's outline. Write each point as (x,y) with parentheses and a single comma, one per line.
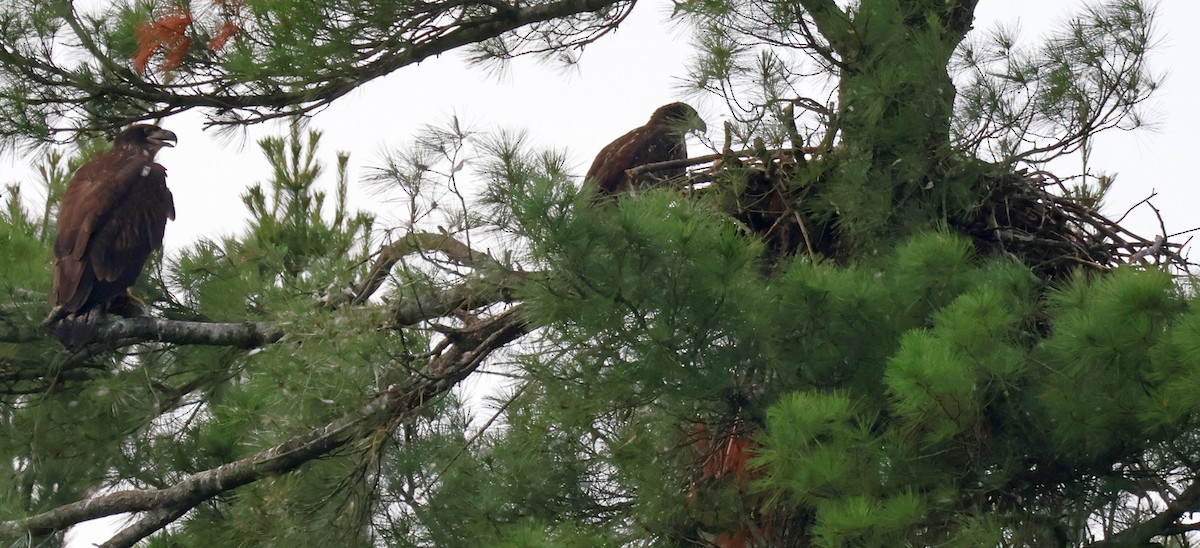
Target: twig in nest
(804,232)
(688,162)
(1153,249)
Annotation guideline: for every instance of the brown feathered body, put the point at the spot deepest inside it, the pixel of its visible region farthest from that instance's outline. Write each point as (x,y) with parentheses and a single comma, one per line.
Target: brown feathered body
(662,139)
(112,217)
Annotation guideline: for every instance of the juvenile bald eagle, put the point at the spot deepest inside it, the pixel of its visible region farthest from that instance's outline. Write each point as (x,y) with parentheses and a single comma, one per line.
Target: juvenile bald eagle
(113,215)
(660,140)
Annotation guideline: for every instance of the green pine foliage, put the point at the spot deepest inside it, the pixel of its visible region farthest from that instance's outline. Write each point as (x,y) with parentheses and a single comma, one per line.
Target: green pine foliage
(247,59)
(893,393)
(156,412)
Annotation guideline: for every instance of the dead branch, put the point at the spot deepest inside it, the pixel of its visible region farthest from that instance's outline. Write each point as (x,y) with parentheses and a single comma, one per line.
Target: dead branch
(427,303)
(1152,249)
(688,162)
(413,242)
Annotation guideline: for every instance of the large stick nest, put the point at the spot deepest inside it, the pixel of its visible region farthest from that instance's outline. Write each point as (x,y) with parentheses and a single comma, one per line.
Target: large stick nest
(1029,216)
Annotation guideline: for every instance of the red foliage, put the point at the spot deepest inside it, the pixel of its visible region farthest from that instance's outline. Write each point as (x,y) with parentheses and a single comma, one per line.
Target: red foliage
(728,454)
(232,11)
(168,34)
(738,539)
(227,31)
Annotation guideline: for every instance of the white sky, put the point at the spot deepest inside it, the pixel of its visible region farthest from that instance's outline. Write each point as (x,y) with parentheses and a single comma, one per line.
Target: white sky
(620,81)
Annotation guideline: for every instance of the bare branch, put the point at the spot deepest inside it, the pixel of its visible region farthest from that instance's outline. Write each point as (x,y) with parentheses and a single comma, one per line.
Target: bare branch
(413,242)
(429,303)
(151,522)
(1152,249)
(125,330)
(1162,524)
(697,160)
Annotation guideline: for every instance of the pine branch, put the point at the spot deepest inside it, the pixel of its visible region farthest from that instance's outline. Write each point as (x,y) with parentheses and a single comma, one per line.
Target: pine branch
(429,303)
(127,330)
(396,405)
(238,335)
(243,99)
(476,292)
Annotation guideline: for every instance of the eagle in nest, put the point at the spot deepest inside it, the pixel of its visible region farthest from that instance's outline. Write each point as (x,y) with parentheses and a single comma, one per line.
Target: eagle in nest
(112,216)
(663,138)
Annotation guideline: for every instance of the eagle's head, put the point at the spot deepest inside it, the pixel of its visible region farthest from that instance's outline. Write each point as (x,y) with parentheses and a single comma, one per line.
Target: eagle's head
(146,136)
(680,116)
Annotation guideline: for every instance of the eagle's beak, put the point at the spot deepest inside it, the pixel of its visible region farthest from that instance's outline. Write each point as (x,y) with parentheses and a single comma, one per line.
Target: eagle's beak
(163,138)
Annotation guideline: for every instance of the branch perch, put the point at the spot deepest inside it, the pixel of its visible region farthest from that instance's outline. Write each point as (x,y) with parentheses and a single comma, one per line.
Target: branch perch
(124,330)
(473,293)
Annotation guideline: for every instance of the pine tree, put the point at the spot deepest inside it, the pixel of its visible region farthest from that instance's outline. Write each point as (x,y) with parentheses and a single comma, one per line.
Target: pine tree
(871,320)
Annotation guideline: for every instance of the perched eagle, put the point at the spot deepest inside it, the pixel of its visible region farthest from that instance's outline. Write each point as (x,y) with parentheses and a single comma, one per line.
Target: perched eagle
(660,140)
(113,215)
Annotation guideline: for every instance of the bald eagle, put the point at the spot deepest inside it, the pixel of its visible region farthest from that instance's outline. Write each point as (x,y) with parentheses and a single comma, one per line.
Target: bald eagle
(660,140)
(112,216)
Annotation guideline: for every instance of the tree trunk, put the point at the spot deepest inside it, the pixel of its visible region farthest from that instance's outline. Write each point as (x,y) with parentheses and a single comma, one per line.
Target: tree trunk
(896,102)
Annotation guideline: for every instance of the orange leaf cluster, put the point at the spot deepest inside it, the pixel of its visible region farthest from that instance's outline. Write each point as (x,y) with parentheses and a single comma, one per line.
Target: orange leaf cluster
(167,34)
(731,457)
(724,454)
(232,10)
(227,31)
(741,538)
(727,454)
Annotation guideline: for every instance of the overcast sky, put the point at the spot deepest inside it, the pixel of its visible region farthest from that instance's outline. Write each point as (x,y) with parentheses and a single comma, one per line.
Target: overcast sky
(619,82)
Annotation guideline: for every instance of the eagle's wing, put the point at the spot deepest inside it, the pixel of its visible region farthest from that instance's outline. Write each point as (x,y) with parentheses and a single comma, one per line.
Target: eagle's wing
(648,144)
(608,169)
